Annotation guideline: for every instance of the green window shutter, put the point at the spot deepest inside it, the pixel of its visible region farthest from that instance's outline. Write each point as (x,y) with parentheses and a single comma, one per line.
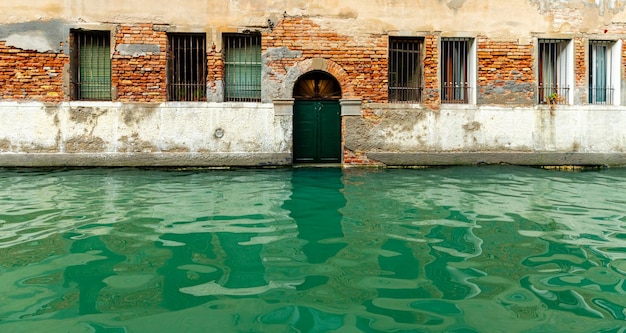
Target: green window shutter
(243,69)
(95,72)
(92,69)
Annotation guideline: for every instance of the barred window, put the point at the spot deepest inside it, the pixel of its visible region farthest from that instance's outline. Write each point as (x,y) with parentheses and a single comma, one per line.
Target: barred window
(91,65)
(555,71)
(242,67)
(601,72)
(455,76)
(405,69)
(186,67)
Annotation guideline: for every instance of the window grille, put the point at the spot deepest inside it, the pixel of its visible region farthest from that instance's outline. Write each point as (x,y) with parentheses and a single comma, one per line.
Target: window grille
(600,75)
(242,67)
(405,69)
(553,71)
(186,67)
(454,70)
(91,65)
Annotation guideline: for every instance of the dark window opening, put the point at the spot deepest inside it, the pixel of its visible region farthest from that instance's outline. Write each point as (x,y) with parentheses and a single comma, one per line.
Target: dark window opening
(454,70)
(553,71)
(186,67)
(600,75)
(242,67)
(91,65)
(405,69)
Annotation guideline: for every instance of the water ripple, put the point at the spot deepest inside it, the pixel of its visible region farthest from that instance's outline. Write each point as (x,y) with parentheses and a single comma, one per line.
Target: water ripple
(443,249)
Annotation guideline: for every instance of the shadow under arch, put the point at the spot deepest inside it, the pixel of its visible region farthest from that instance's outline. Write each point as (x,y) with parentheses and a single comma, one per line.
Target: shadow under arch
(317,85)
(317,64)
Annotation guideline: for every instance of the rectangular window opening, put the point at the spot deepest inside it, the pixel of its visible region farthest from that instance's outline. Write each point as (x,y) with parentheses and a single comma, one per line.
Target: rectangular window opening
(186,67)
(553,71)
(406,69)
(91,65)
(455,86)
(600,72)
(242,67)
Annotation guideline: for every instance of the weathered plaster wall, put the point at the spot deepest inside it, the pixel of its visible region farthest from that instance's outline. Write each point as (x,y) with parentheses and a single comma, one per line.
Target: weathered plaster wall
(493,17)
(346,38)
(101,133)
(396,134)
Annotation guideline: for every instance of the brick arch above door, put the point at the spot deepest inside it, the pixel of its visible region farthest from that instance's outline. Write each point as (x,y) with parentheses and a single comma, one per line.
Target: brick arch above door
(317,64)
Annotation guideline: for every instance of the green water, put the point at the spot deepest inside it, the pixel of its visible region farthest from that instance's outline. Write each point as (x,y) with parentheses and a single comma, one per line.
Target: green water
(484,249)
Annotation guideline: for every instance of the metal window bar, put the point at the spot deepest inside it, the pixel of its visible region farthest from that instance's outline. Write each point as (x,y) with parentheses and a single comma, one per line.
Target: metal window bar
(454,68)
(405,69)
(242,67)
(553,87)
(600,95)
(91,77)
(187,67)
(600,64)
(553,94)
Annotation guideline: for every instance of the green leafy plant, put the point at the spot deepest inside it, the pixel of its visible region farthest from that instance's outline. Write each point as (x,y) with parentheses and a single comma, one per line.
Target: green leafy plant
(553,99)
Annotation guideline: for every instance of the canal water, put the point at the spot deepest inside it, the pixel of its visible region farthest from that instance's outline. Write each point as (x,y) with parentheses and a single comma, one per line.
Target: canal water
(460,249)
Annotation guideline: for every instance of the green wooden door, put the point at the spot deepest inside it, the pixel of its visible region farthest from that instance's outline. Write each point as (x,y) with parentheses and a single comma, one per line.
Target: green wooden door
(316,132)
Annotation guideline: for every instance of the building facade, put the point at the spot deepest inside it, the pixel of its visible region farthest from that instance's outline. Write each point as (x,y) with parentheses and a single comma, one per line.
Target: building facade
(260,83)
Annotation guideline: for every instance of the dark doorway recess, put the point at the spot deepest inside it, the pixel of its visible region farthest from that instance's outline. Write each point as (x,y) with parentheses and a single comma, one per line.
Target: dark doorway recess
(317,119)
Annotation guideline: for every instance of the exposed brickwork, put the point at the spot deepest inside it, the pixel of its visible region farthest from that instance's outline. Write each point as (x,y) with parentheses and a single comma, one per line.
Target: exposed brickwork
(140,78)
(215,70)
(580,70)
(31,75)
(505,74)
(623,59)
(358,158)
(431,72)
(362,60)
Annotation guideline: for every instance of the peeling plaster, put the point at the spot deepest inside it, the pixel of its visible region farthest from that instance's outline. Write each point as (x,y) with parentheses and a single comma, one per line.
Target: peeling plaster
(272,88)
(373,135)
(455,4)
(471,127)
(132,114)
(137,50)
(603,6)
(5,145)
(279,53)
(134,144)
(84,143)
(41,36)
(86,115)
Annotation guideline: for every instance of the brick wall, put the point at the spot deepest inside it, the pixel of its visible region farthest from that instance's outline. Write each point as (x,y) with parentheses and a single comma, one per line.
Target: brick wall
(140,78)
(31,75)
(580,70)
(505,72)
(431,97)
(363,58)
(215,72)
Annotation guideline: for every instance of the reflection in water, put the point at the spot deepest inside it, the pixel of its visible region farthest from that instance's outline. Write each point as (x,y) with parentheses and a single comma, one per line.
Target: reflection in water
(314,206)
(187,267)
(90,276)
(312,250)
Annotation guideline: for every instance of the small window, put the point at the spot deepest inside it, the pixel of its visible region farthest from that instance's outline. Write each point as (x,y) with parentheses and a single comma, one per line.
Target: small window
(242,67)
(456,76)
(91,65)
(602,69)
(405,69)
(186,67)
(555,71)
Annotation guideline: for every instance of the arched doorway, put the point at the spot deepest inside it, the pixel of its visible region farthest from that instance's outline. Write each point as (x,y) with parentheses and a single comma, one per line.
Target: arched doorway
(317,119)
